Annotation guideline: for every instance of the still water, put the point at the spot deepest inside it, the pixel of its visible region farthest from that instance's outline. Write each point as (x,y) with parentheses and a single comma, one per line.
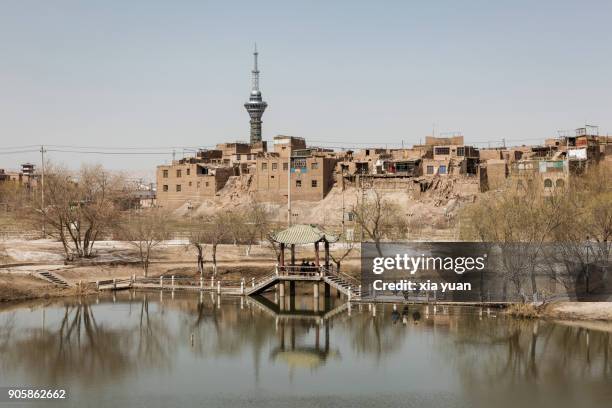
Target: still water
(143,350)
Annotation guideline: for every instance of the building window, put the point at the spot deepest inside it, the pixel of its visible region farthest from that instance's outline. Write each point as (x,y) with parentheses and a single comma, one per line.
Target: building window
(165,188)
(178,173)
(442,169)
(560,183)
(548,183)
(207,184)
(178,188)
(442,150)
(264,166)
(351,216)
(272,177)
(188,171)
(430,170)
(461,151)
(165,173)
(313,183)
(285,166)
(274,166)
(190,184)
(237,157)
(314,166)
(298,183)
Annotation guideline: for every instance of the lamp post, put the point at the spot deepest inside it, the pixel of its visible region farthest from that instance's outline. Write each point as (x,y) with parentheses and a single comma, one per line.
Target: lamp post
(587,273)
(289,191)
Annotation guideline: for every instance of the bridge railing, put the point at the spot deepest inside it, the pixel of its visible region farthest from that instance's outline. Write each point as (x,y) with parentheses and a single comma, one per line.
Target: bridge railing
(211,283)
(351,280)
(299,270)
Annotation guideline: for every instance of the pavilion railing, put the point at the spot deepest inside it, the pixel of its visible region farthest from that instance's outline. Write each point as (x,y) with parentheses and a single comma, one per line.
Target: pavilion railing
(299,270)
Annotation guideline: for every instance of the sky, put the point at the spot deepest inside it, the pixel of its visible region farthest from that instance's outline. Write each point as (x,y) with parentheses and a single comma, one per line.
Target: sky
(144,77)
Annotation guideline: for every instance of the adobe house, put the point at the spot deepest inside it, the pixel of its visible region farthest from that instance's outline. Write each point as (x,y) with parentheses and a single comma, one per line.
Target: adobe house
(452,159)
(549,174)
(312,176)
(189,180)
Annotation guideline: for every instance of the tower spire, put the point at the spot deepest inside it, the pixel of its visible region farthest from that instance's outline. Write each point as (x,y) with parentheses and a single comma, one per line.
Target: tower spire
(255,106)
(255,71)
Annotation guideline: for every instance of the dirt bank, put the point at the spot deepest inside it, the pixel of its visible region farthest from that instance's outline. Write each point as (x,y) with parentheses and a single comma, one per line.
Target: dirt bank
(564,311)
(579,311)
(23,287)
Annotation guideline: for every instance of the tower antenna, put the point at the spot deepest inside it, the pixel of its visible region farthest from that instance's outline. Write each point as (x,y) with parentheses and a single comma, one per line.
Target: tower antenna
(255,106)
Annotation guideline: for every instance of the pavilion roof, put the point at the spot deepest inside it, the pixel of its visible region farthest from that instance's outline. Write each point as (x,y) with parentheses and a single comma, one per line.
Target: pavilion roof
(303,234)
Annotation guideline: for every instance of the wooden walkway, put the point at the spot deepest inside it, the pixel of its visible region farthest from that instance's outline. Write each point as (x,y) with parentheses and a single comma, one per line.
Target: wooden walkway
(345,284)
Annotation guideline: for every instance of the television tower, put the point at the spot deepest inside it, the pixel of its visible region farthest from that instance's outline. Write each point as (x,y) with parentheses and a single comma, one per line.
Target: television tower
(255,105)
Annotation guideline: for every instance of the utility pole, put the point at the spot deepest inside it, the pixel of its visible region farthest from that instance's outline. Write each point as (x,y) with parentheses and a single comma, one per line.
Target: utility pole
(289,192)
(42,188)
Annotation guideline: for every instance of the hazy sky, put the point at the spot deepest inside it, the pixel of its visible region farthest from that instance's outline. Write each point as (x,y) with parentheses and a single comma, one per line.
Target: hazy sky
(155,74)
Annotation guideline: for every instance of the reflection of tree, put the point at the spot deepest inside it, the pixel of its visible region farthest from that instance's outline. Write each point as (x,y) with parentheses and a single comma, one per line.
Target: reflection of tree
(79,347)
(504,353)
(374,335)
(7,327)
(154,343)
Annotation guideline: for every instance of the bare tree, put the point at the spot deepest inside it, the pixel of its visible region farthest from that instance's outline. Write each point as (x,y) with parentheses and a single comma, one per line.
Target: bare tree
(337,258)
(79,207)
(213,230)
(379,218)
(145,231)
(254,225)
(197,239)
(538,230)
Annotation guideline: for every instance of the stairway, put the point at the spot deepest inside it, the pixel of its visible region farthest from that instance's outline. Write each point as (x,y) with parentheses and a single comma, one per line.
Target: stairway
(53,278)
(262,284)
(343,285)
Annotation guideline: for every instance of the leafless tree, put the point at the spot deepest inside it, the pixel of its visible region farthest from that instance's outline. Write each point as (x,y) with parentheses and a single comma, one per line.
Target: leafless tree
(252,225)
(379,218)
(338,258)
(79,206)
(145,231)
(213,230)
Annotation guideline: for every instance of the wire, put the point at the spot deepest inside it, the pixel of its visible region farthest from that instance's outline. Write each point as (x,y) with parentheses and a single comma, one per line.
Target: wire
(21,151)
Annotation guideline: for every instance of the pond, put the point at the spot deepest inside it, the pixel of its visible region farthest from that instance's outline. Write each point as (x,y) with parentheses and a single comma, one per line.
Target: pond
(157,350)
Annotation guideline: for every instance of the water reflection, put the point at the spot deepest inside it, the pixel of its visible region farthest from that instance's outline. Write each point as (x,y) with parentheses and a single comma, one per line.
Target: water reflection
(206,346)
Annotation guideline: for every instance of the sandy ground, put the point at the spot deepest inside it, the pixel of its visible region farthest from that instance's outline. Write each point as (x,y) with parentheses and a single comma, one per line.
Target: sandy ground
(22,258)
(22,287)
(114,259)
(579,311)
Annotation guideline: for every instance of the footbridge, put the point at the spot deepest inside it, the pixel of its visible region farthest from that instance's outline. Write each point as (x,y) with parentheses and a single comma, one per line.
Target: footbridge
(285,274)
(283,277)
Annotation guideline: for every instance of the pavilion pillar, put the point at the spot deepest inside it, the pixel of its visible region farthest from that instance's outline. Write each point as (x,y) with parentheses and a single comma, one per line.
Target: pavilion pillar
(327,336)
(282,255)
(326,255)
(317,262)
(292,254)
(292,288)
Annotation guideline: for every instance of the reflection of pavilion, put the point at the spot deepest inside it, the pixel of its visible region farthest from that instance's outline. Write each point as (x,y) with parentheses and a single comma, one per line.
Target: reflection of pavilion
(310,355)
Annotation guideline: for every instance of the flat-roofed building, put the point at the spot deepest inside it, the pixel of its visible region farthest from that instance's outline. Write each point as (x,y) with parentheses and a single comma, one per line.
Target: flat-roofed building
(189,181)
(312,177)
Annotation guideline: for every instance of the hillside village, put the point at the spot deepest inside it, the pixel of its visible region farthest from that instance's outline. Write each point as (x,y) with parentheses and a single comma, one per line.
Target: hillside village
(429,180)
